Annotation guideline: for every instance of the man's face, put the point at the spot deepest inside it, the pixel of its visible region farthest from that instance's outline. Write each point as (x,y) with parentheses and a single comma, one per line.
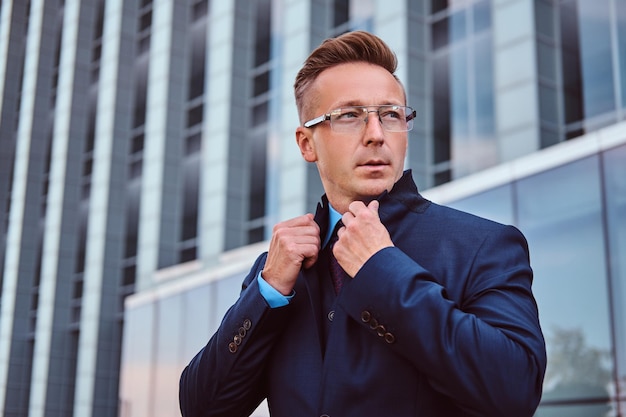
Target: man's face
(358,165)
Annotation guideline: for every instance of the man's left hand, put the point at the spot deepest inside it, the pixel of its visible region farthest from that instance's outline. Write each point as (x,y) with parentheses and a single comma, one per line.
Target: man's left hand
(361,237)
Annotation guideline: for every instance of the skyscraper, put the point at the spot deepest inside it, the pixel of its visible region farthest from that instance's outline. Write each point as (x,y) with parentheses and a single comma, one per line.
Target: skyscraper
(147,149)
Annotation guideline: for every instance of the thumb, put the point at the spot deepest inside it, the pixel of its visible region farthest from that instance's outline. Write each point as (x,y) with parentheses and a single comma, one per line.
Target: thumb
(373,205)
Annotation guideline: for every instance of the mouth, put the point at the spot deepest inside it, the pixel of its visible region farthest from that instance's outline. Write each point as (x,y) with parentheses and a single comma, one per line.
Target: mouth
(374,163)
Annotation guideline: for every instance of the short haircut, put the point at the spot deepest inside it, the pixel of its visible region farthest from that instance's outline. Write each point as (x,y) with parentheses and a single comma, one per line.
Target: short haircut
(357,46)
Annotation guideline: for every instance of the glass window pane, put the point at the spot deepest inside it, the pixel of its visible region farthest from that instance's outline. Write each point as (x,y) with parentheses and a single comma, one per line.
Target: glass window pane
(138,351)
(570,62)
(615,183)
(261,83)
(263,31)
(198,58)
(168,368)
(438,5)
(544,18)
(596,57)
(458,26)
(199,323)
(194,115)
(191,169)
(484,104)
(459,105)
(560,213)
(620,13)
(341,12)
(258,176)
(576,410)
(495,204)
(482,16)
(225,293)
(439,34)
(441,108)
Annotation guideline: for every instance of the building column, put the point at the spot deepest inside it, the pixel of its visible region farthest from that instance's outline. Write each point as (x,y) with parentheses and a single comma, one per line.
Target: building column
(216,130)
(23,236)
(54,353)
(160,208)
(516,79)
(294,39)
(96,384)
(13,21)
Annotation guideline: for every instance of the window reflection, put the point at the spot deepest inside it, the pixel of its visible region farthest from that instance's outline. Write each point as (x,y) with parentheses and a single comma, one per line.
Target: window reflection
(615,192)
(574,410)
(620,14)
(463,93)
(166,352)
(495,204)
(595,45)
(560,214)
(570,64)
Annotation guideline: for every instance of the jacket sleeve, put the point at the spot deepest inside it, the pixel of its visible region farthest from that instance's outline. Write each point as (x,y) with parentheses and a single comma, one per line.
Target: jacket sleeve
(484,350)
(226,377)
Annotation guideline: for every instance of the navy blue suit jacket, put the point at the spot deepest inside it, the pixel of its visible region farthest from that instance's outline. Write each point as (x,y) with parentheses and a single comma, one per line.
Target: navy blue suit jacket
(442,324)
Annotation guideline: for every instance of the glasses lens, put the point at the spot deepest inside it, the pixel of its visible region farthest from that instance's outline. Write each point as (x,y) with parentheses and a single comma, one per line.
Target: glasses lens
(353,119)
(393,118)
(349,119)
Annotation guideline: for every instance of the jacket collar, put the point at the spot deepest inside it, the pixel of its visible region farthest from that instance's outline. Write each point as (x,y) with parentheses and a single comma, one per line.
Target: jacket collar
(404,191)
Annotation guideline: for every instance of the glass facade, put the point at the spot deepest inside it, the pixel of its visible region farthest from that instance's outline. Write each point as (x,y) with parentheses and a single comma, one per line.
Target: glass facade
(569,216)
(590,39)
(168,332)
(574,217)
(143,142)
(463,90)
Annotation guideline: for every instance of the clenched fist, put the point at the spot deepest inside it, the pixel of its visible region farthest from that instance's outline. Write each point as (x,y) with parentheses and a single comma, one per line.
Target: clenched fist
(361,237)
(295,244)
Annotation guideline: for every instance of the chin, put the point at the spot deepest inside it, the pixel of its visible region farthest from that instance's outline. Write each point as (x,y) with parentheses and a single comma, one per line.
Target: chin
(372,191)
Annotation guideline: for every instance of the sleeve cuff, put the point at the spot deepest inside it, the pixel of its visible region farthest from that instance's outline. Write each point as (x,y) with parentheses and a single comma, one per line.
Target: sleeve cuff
(273,297)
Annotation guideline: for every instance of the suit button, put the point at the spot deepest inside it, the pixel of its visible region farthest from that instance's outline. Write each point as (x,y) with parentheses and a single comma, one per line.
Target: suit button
(331,315)
(380,330)
(373,323)
(232,347)
(247,324)
(242,332)
(237,339)
(389,338)
(365,316)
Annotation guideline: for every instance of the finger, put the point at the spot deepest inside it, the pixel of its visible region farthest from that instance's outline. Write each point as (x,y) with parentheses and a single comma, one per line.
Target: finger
(310,261)
(346,219)
(373,205)
(304,220)
(355,207)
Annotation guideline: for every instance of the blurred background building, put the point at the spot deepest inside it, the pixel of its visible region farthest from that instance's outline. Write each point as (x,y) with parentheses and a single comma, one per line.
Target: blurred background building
(147,148)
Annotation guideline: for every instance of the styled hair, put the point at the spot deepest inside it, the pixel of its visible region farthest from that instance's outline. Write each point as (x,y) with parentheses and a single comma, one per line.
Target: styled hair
(357,46)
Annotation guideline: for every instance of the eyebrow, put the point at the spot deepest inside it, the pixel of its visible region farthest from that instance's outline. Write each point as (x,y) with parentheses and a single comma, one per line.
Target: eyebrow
(357,103)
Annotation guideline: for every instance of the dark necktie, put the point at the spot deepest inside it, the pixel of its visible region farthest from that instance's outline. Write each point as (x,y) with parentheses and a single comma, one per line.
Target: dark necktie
(336,271)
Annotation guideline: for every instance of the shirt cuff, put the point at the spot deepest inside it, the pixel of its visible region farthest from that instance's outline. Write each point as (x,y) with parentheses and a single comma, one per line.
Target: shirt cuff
(273,297)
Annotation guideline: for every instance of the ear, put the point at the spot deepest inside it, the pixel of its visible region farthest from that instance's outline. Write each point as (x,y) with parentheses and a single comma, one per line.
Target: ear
(305,142)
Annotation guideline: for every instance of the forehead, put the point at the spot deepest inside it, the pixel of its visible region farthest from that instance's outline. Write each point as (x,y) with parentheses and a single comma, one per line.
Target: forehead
(354,84)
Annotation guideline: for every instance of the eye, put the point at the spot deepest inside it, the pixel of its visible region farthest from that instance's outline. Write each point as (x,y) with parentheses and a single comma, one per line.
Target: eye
(391,114)
(347,114)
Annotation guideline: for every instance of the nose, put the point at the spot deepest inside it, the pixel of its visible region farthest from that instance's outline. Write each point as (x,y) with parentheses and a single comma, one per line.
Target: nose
(374,132)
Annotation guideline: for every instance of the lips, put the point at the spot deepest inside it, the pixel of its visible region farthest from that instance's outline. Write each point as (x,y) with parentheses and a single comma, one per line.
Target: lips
(374,162)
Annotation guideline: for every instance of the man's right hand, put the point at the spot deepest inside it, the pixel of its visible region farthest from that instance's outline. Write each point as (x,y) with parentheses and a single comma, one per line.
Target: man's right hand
(295,244)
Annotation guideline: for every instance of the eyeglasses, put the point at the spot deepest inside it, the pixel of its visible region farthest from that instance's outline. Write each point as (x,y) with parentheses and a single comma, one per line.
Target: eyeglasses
(352,119)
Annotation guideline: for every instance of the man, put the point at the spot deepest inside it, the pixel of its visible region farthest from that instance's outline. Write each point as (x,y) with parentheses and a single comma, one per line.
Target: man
(434,315)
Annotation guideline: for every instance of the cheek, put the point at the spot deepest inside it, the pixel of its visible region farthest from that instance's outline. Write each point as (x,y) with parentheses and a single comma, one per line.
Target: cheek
(334,160)
(400,149)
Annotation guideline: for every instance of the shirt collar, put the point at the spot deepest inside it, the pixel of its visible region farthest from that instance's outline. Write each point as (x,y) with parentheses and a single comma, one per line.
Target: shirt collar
(334,217)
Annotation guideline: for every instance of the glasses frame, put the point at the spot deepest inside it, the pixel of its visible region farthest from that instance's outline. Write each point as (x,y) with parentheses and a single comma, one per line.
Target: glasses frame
(411,114)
